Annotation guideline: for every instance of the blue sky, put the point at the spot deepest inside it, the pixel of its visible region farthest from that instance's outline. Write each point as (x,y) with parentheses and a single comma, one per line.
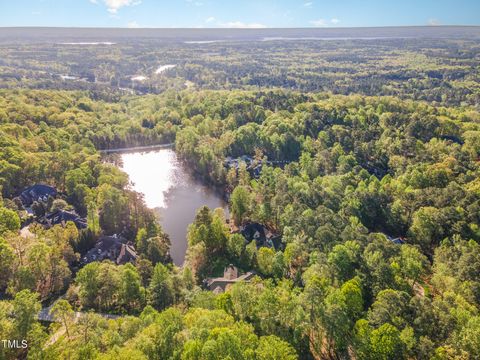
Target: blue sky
(238,13)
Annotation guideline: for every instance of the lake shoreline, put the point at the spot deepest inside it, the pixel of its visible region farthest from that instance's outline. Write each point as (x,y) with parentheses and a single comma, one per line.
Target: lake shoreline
(172,190)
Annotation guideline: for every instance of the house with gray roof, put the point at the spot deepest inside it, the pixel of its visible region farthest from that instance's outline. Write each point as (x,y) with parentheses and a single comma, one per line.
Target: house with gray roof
(114,248)
(230,277)
(37,192)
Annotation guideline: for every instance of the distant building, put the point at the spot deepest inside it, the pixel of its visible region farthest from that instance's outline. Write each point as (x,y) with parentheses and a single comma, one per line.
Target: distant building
(230,277)
(127,254)
(114,248)
(61,217)
(262,236)
(37,192)
(396,240)
(235,162)
(253,167)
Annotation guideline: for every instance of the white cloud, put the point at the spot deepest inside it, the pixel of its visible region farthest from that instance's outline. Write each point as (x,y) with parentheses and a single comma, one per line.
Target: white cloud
(210,19)
(242,25)
(324,23)
(308,4)
(319,23)
(433,22)
(114,5)
(133,25)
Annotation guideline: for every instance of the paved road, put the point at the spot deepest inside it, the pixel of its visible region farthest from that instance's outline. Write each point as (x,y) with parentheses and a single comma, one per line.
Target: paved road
(45,315)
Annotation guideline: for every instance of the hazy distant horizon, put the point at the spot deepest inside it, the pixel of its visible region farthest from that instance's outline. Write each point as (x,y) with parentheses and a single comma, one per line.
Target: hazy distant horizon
(245,28)
(27,34)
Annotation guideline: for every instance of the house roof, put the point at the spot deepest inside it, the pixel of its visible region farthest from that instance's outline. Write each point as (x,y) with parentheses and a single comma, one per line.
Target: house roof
(218,290)
(254,168)
(127,254)
(262,235)
(115,248)
(253,231)
(62,216)
(396,240)
(37,192)
(106,242)
(221,283)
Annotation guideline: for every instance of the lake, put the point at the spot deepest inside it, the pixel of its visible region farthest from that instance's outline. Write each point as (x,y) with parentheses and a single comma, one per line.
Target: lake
(170,189)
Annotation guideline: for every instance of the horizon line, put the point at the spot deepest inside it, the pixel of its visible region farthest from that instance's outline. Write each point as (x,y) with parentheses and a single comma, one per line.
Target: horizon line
(234,28)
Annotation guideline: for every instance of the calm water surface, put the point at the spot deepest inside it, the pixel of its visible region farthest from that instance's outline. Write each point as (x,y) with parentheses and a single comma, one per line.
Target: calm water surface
(170,188)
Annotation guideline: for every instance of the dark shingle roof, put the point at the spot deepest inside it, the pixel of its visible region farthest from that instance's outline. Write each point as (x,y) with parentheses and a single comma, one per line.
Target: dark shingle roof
(62,216)
(127,254)
(114,248)
(37,192)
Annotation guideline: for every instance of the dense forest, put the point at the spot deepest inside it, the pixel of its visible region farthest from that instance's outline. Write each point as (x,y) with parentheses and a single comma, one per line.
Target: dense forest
(374,198)
(362,169)
(440,70)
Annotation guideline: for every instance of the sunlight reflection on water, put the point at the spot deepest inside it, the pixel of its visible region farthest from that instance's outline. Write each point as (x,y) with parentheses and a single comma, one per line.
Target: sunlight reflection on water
(170,188)
(153,174)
